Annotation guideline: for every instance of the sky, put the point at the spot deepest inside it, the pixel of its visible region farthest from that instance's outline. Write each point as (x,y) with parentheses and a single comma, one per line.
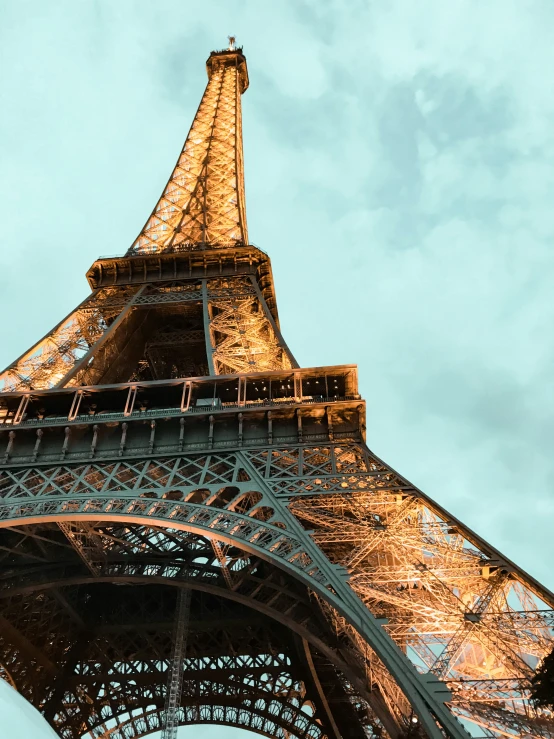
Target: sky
(399,171)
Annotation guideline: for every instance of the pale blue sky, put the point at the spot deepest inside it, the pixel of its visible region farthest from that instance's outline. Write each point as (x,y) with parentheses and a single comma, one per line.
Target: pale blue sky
(399,172)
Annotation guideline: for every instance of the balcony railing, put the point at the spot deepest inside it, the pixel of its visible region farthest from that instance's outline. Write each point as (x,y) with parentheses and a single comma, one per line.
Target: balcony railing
(198,395)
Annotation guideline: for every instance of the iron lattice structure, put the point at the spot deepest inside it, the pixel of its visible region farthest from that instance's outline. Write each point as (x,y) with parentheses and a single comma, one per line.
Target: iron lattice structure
(193,529)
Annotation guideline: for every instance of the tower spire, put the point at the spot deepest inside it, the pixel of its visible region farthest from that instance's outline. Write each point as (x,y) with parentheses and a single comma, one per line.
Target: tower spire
(202,205)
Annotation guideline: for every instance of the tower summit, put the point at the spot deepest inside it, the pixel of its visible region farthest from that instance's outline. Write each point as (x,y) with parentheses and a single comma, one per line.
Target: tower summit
(202,205)
(278,575)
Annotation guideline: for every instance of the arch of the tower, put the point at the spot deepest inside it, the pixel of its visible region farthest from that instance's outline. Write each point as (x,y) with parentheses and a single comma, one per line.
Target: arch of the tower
(254,685)
(90,645)
(257,722)
(241,669)
(68,530)
(231,516)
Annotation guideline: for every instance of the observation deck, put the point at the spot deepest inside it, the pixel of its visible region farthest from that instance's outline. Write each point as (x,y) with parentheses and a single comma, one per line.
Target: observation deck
(185,414)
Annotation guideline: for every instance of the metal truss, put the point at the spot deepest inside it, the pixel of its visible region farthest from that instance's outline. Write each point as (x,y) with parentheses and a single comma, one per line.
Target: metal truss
(161,446)
(272,702)
(203,202)
(86,543)
(256,693)
(48,362)
(452,608)
(242,334)
(239,669)
(224,326)
(457,611)
(227,320)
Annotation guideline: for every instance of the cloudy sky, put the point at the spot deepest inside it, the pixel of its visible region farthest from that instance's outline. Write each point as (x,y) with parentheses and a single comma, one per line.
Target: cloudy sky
(399,172)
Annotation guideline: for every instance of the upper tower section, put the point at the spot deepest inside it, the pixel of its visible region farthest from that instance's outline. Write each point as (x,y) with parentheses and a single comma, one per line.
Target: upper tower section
(202,205)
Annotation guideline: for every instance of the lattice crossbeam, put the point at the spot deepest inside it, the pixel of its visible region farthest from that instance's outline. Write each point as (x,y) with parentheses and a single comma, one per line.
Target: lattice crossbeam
(243,337)
(49,361)
(203,202)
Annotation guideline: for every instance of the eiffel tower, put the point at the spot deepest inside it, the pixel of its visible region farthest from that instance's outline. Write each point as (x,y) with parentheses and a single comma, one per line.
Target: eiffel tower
(193,530)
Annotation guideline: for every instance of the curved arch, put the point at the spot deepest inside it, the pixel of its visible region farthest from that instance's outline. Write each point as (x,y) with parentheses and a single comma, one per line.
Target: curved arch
(251,680)
(301,629)
(135,727)
(282,548)
(267,714)
(292,609)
